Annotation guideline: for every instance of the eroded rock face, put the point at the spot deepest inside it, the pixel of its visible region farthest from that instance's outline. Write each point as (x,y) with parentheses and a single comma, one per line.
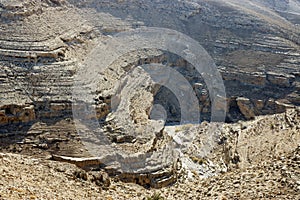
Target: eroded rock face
(246,107)
(37,61)
(55,43)
(254,144)
(42,44)
(280,79)
(17,114)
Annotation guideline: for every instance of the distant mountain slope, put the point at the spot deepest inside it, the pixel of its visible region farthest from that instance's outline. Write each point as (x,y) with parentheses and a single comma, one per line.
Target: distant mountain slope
(289,6)
(289,9)
(255,15)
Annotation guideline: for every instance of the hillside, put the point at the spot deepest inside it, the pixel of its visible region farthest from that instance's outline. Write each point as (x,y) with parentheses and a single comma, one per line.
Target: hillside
(108,99)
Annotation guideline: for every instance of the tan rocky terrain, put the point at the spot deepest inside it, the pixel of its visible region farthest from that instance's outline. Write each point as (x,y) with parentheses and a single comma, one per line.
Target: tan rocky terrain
(48,150)
(264,165)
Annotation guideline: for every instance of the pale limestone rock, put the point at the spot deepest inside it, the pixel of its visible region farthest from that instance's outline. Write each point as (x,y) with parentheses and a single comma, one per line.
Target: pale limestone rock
(282,107)
(246,107)
(60,35)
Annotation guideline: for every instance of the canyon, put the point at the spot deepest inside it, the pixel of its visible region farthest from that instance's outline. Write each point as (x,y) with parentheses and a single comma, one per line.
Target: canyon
(255,46)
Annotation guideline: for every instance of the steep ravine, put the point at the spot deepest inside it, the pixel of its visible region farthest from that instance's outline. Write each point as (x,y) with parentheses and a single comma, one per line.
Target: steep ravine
(43,44)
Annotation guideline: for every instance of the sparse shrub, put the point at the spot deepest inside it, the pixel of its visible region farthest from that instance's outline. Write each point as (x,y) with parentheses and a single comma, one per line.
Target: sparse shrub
(200,161)
(80,174)
(178,129)
(155,196)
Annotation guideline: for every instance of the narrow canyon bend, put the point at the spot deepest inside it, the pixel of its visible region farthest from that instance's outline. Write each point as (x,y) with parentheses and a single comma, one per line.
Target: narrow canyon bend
(48,145)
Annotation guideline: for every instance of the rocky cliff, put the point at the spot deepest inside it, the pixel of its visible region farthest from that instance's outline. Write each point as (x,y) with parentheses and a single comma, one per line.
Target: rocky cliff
(43,44)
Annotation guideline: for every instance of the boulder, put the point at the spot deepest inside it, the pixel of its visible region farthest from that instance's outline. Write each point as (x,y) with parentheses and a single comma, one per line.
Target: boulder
(259,105)
(17,114)
(246,107)
(282,107)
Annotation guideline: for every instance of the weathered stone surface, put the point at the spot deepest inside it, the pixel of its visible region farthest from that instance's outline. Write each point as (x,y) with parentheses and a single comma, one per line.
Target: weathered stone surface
(254,144)
(259,105)
(58,42)
(42,43)
(262,152)
(294,97)
(280,79)
(17,114)
(254,78)
(246,107)
(282,107)
(154,179)
(100,178)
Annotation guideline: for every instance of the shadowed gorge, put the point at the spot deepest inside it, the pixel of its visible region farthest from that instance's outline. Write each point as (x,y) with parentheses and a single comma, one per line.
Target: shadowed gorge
(135,133)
